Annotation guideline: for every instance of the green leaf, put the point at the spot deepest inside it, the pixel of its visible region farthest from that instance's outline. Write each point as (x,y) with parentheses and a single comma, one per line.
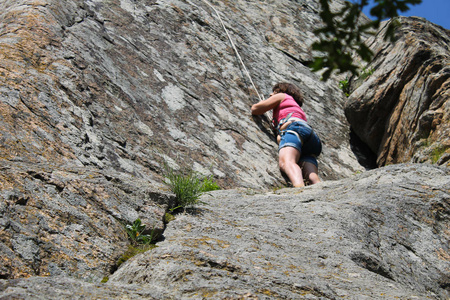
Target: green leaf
(341,33)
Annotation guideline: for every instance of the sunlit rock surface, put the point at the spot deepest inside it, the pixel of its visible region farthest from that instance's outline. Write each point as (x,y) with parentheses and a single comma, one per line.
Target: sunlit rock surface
(382,234)
(97,97)
(402,110)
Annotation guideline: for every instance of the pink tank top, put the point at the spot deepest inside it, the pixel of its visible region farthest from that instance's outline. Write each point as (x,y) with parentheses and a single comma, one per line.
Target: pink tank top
(287,106)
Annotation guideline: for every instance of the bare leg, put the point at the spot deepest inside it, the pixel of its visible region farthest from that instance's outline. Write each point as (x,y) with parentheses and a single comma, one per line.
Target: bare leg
(310,172)
(288,158)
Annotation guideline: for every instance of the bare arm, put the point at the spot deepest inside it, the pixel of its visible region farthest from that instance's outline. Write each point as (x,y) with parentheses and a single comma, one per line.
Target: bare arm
(268,104)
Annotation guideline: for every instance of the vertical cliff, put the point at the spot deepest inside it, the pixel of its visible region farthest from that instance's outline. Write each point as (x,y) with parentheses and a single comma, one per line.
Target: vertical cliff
(97,96)
(128,85)
(402,110)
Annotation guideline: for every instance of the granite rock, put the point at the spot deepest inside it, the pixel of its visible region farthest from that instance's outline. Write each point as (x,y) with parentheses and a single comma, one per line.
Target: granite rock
(97,97)
(402,110)
(381,234)
(71,222)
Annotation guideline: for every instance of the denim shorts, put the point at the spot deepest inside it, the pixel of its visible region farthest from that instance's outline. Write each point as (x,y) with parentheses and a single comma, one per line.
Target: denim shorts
(301,136)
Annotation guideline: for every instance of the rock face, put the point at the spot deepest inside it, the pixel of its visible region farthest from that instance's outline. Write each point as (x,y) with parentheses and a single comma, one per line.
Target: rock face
(402,110)
(97,96)
(71,222)
(382,234)
(128,85)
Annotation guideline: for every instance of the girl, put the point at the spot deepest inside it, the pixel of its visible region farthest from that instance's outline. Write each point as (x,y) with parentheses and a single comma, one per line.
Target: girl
(299,145)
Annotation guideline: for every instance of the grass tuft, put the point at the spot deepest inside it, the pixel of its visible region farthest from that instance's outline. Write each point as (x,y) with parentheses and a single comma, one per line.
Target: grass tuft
(437,153)
(188,186)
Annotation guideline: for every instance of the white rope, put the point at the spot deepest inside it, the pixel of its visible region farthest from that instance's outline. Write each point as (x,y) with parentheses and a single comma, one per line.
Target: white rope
(235,50)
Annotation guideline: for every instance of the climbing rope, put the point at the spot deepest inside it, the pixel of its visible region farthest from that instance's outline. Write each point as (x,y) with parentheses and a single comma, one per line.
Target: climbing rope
(235,50)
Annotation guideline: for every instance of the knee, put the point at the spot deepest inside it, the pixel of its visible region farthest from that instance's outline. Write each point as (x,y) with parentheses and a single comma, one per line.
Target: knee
(286,165)
(282,162)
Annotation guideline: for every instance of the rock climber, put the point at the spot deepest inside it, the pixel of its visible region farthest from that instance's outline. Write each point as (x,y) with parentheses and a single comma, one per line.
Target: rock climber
(299,145)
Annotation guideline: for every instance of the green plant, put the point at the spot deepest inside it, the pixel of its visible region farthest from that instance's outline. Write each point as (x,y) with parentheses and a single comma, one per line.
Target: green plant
(139,242)
(437,153)
(366,72)
(135,233)
(188,186)
(168,217)
(342,33)
(209,185)
(344,85)
(132,251)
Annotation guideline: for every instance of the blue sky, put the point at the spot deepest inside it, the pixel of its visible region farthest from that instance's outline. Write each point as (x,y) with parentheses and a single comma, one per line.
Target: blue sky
(436,11)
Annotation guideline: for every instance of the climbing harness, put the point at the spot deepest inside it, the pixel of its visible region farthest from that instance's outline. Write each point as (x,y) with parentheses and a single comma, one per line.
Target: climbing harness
(282,122)
(282,132)
(289,119)
(235,50)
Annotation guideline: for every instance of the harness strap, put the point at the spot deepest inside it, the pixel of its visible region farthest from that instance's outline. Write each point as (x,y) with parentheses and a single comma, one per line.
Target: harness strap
(294,132)
(282,121)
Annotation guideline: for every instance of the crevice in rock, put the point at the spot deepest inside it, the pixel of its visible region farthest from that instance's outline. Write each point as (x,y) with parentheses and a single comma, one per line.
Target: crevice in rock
(297,59)
(409,248)
(315,291)
(46,178)
(19,198)
(4,277)
(363,153)
(444,282)
(222,266)
(372,264)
